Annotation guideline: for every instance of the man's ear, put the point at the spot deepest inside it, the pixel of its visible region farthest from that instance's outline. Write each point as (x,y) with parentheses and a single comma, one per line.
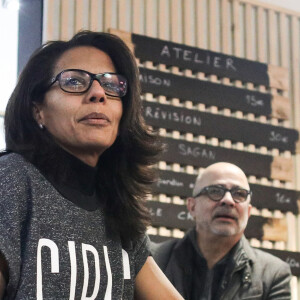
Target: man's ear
(249,210)
(37,113)
(191,203)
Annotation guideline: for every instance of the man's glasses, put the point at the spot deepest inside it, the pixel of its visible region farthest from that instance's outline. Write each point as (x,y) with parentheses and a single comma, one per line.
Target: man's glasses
(217,192)
(79,81)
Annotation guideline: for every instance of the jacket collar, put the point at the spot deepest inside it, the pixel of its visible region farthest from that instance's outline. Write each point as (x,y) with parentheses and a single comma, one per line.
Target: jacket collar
(243,253)
(242,256)
(242,259)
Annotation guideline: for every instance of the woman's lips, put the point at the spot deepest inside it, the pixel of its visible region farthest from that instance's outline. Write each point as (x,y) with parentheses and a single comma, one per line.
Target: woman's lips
(95,119)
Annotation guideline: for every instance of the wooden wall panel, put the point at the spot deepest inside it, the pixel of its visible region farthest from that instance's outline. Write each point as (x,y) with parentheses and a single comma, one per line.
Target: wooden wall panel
(81,15)
(67,17)
(201,23)
(236,38)
(224,27)
(52,20)
(260,34)
(176,21)
(122,17)
(295,88)
(273,52)
(212,24)
(163,18)
(188,21)
(150,14)
(96,15)
(137,21)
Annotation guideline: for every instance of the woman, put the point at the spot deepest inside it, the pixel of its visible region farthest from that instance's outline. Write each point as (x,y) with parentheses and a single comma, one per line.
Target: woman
(74,177)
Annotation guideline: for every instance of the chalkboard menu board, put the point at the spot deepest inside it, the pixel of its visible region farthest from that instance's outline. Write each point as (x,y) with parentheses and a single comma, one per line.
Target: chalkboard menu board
(199,60)
(202,155)
(205,61)
(201,123)
(198,91)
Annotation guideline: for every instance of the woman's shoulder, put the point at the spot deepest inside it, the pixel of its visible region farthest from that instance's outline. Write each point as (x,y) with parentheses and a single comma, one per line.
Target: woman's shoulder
(14,167)
(14,184)
(11,158)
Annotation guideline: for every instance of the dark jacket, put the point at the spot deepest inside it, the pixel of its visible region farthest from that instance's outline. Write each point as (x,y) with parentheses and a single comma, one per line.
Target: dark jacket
(255,274)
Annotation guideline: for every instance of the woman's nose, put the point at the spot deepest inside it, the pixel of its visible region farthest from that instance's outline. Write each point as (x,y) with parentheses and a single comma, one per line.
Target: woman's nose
(96,93)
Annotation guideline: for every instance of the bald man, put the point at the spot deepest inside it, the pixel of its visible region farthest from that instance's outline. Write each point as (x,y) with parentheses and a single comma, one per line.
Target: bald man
(214,260)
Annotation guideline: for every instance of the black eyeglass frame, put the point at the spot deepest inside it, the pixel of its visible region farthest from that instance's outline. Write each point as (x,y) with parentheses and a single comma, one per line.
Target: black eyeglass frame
(92,78)
(204,191)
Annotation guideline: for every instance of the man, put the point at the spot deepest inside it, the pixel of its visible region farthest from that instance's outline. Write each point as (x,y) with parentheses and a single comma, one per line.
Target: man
(214,260)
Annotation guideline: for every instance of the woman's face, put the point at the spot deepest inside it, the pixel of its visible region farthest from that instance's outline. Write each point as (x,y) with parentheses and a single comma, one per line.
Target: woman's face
(84,124)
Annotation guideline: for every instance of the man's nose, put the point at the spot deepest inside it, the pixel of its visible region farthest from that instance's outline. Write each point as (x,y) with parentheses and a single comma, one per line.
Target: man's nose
(227,199)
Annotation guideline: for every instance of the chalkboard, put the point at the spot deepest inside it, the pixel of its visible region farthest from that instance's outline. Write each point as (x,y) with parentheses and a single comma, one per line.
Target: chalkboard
(272,198)
(198,91)
(199,60)
(174,183)
(202,155)
(170,215)
(275,198)
(208,62)
(177,216)
(213,125)
(204,61)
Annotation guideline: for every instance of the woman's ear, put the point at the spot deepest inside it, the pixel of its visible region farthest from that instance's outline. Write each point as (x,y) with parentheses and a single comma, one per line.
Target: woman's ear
(38,114)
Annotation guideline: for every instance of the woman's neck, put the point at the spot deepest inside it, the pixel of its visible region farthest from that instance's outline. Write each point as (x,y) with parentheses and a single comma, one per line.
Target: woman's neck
(90,158)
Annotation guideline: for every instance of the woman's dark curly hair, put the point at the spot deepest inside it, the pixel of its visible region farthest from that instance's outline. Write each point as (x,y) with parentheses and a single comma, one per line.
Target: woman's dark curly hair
(125,168)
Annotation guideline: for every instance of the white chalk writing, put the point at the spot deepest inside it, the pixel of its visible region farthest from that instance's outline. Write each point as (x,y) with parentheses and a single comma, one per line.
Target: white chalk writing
(278,137)
(184,215)
(159,114)
(156,212)
(204,58)
(171,182)
(196,152)
(155,80)
(280,198)
(292,262)
(253,101)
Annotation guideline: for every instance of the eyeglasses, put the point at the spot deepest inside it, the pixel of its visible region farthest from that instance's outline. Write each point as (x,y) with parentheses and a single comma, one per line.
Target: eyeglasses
(79,81)
(217,192)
